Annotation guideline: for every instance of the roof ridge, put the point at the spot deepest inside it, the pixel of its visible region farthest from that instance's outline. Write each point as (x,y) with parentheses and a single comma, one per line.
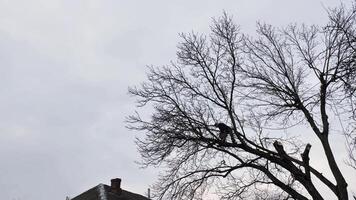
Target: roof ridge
(102,192)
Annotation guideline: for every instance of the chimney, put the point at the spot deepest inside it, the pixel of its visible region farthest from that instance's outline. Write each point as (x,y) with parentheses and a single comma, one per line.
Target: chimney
(116,186)
(149,193)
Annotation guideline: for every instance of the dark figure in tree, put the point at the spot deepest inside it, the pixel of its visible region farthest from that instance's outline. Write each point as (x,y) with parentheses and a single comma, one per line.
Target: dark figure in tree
(225,130)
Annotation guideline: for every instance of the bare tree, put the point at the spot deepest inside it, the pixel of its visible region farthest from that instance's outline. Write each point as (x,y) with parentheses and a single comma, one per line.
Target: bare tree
(283,77)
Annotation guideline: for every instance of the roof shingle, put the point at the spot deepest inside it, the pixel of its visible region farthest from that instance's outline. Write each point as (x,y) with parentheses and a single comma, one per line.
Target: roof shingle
(102,192)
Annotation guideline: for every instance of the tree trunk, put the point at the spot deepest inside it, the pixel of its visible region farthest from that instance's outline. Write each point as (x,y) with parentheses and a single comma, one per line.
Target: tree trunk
(340,180)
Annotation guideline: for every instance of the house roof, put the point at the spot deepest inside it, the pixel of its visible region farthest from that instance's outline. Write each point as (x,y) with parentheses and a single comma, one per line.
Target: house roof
(103,192)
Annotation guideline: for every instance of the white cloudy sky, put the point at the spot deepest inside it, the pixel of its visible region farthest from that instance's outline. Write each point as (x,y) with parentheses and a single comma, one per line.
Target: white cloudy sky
(65,66)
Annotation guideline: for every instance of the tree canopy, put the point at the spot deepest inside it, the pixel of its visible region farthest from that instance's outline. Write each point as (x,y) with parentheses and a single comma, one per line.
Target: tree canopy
(294,76)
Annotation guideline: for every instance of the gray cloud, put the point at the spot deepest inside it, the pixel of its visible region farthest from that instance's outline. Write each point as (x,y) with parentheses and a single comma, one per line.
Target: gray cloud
(64,71)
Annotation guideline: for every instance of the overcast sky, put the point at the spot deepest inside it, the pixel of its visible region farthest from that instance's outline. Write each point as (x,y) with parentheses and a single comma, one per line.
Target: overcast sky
(65,66)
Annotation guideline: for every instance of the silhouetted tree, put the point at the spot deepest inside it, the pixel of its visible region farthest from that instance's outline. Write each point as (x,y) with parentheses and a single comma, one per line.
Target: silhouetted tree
(298,76)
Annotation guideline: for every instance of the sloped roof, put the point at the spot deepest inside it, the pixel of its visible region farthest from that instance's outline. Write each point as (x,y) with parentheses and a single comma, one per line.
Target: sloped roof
(102,192)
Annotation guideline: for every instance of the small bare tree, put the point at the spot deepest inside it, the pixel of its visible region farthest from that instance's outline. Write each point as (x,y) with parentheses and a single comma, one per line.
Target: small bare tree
(243,85)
